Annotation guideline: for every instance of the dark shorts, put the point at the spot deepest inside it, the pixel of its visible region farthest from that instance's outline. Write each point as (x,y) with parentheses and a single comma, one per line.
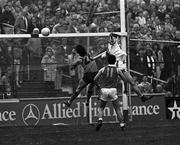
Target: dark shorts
(89,77)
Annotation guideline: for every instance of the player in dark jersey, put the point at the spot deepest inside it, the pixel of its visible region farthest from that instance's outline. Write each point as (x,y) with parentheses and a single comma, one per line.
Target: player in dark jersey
(109,75)
(90,70)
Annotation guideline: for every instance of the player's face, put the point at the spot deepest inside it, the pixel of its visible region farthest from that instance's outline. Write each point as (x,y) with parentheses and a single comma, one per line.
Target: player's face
(112,40)
(74,52)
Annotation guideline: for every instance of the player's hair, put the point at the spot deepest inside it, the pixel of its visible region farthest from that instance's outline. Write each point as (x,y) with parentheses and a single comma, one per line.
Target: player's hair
(114,35)
(111,59)
(81,50)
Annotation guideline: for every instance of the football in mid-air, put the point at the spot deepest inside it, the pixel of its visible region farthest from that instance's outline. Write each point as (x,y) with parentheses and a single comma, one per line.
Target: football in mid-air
(45,31)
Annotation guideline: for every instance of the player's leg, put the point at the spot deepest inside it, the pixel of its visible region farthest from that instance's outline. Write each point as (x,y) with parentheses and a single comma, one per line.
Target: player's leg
(127,78)
(120,117)
(89,79)
(89,92)
(82,84)
(114,99)
(132,83)
(102,105)
(103,100)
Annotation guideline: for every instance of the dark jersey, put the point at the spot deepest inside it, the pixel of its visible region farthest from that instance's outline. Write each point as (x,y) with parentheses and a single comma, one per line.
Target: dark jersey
(88,64)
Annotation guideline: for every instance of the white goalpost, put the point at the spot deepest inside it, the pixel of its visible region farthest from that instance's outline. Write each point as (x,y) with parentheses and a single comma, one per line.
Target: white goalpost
(123,45)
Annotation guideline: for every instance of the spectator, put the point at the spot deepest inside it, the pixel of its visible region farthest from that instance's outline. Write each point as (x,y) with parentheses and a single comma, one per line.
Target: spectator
(22,22)
(161,13)
(62,27)
(168,27)
(8,16)
(60,60)
(159,27)
(18,11)
(48,64)
(5,87)
(173,84)
(1,18)
(73,72)
(8,20)
(175,15)
(168,59)
(5,58)
(150,61)
(139,64)
(17,54)
(141,19)
(160,89)
(34,46)
(145,86)
(34,23)
(57,15)
(160,59)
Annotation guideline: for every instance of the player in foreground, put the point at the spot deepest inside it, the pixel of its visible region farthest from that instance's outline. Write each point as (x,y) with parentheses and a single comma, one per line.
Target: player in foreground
(109,81)
(115,49)
(90,70)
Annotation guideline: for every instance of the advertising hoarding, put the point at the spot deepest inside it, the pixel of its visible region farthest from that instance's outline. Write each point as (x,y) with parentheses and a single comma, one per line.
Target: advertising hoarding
(52,111)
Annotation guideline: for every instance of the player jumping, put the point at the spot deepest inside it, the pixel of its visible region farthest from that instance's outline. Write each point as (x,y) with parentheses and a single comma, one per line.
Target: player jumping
(90,70)
(109,75)
(115,49)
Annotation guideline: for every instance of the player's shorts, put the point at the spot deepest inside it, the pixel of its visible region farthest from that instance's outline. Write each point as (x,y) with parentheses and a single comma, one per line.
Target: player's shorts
(108,94)
(89,77)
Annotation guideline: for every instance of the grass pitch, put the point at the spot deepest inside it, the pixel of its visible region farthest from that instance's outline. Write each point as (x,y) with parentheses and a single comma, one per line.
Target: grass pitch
(137,133)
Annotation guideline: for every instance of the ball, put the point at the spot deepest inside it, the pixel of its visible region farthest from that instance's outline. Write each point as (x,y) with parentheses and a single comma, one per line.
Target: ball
(45,31)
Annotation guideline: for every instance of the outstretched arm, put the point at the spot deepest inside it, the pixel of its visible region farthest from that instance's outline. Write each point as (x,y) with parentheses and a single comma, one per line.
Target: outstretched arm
(96,78)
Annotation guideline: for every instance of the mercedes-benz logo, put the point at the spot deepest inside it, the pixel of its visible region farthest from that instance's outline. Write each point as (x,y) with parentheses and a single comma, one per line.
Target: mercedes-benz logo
(31,114)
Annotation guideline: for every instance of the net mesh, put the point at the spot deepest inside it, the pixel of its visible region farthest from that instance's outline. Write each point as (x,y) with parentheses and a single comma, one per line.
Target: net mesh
(28,72)
(23,74)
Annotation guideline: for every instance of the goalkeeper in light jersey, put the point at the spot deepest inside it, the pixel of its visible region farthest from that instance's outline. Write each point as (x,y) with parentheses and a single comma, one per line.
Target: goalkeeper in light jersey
(115,49)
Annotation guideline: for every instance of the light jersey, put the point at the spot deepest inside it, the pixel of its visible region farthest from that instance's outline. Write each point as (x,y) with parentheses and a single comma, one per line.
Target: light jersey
(88,64)
(109,76)
(119,54)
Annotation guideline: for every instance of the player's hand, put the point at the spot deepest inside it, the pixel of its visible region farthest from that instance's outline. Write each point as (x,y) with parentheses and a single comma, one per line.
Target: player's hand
(103,55)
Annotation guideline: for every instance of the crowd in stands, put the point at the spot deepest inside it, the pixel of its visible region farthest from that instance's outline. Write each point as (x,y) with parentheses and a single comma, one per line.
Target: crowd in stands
(147,19)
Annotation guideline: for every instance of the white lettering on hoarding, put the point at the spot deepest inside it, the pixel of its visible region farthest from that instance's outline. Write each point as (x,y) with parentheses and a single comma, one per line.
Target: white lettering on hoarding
(60,111)
(145,110)
(69,113)
(7,116)
(47,113)
(12,115)
(156,109)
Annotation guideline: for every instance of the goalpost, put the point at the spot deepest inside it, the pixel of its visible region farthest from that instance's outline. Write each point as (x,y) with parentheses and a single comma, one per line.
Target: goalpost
(123,45)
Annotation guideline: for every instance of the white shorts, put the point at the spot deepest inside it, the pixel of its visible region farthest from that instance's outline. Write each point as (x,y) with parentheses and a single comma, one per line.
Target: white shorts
(108,94)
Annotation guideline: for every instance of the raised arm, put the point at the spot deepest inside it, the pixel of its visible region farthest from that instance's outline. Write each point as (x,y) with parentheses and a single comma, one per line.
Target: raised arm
(96,78)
